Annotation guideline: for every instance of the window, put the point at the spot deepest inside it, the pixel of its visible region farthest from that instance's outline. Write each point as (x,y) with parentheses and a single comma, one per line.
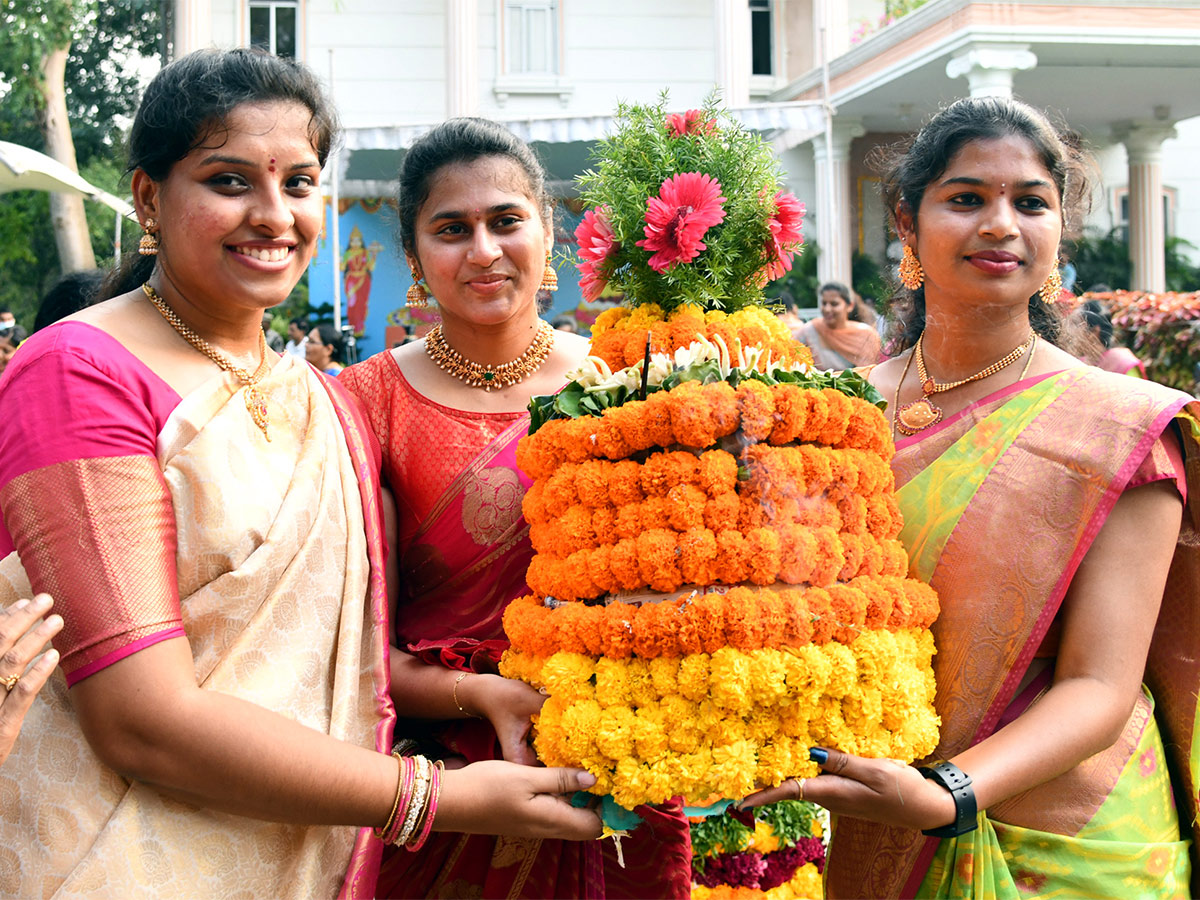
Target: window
(273,26)
(1121,211)
(531,37)
(762,38)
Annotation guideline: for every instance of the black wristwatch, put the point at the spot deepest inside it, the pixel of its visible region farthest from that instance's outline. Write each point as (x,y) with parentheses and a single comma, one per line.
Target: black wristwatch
(958,783)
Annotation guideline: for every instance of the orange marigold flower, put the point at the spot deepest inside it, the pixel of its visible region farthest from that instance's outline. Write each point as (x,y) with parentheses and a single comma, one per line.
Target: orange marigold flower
(791,410)
(657,413)
(624,562)
(568,618)
(629,521)
(733,556)
(820,605)
(533,505)
(721,512)
(718,472)
(625,483)
(604,524)
(663,471)
(743,626)
(757,408)
(697,556)
(765,555)
(708,612)
(685,503)
(818,412)
(701,414)
(610,440)
(797,555)
(633,424)
(600,570)
(837,417)
(849,612)
(616,630)
(591,483)
(658,559)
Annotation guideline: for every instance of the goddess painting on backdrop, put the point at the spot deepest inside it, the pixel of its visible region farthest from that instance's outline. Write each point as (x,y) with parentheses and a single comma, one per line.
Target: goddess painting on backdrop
(358,264)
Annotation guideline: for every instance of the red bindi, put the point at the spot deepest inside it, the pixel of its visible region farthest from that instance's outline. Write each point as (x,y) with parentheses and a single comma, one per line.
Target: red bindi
(271,167)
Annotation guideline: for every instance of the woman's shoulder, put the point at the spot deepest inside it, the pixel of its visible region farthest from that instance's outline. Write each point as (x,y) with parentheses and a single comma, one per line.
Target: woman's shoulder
(73,349)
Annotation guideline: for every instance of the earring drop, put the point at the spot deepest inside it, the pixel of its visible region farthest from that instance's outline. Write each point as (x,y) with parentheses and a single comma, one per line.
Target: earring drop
(148,244)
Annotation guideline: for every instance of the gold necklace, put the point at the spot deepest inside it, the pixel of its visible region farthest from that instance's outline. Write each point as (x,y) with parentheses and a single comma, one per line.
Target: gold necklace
(473,374)
(922,413)
(255,404)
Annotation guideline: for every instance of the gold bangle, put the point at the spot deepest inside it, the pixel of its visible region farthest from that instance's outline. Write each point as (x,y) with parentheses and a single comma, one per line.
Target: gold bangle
(380,832)
(454,694)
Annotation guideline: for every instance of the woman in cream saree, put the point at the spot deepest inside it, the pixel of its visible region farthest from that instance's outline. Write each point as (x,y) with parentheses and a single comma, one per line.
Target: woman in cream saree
(277,556)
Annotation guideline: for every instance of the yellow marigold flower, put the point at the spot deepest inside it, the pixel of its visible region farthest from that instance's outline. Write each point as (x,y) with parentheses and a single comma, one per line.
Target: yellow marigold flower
(730,684)
(763,840)
(568,675)
(734,766)
(612,682)
(614,737)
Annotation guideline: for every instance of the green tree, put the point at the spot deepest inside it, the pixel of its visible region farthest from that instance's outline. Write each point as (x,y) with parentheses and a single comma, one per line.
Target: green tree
(98,46)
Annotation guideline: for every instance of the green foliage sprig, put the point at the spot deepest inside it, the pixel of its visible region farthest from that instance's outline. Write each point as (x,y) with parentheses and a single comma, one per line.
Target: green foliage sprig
(631,165)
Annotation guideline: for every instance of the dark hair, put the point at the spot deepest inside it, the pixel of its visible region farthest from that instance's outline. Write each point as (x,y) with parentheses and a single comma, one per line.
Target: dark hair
(332,337)
(188,103)
(460,141)
(911,169)
(67,296)
(301,322)
(1094,316)
(838,288)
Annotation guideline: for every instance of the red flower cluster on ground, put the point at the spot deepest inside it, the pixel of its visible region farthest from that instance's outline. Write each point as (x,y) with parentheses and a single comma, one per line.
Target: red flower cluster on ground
(687,205)
(691,122)
(596,243)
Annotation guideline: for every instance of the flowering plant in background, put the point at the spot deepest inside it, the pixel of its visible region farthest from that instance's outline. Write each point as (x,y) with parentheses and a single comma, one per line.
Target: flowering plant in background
(685,208)
(1162,329)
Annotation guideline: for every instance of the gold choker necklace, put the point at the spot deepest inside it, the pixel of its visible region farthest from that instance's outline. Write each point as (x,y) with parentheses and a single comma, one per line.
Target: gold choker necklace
(922,413)
(255,403)
(473,374)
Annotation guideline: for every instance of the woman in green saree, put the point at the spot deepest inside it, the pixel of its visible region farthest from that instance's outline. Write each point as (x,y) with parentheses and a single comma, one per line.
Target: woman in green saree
(1049,505)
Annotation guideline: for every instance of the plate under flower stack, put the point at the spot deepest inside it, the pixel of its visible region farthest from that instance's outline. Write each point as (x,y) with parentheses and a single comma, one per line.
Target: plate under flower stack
(718,583)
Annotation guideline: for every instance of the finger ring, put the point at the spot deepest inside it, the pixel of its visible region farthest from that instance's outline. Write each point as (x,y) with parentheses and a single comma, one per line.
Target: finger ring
(10,682)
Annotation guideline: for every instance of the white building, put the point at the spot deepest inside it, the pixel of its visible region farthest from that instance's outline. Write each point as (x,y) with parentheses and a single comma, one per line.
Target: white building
(1124,73)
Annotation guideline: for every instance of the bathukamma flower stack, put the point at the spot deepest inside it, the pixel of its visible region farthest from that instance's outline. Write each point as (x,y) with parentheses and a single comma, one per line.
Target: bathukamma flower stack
(718,583)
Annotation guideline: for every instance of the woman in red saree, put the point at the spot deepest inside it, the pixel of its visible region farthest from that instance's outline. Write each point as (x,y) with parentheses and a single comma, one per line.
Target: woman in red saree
(448,411)
(1043,499)
(206,515)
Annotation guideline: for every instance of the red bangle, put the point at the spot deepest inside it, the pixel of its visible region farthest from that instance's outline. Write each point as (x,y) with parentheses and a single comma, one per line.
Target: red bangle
(435,789)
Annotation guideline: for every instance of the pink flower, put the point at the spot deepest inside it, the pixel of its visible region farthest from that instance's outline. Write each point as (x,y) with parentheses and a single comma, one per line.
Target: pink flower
(686,207)
(786,236)
(596,243)
(691,122)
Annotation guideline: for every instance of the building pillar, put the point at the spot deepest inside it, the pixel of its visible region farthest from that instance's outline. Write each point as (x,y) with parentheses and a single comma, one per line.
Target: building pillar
(834,209)
(990,68)
(462,58)
(731,18)
(192,26)
(1147,228)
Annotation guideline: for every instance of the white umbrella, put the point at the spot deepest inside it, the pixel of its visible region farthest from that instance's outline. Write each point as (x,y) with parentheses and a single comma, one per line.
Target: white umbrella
(24,169)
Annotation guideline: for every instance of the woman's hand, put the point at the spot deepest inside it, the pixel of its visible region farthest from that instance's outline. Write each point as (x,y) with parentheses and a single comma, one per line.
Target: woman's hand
(510,706)
(20,643)
(881,790)
(494,797)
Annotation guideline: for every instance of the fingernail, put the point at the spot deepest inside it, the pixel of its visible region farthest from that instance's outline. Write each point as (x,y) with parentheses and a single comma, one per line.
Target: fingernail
(42,601)
(817,755)
(51,658)
(586,779)
(55,621)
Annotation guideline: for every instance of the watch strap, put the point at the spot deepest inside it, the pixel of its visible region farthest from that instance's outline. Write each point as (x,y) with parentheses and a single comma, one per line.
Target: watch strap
(958,783)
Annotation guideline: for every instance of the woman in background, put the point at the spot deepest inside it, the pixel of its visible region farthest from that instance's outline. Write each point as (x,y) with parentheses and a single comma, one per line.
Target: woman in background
(326,348)
(836,340)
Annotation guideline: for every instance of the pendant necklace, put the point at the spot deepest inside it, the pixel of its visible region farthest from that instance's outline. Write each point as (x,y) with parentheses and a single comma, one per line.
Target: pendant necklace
(474,374)
(256,405)
(922,413)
